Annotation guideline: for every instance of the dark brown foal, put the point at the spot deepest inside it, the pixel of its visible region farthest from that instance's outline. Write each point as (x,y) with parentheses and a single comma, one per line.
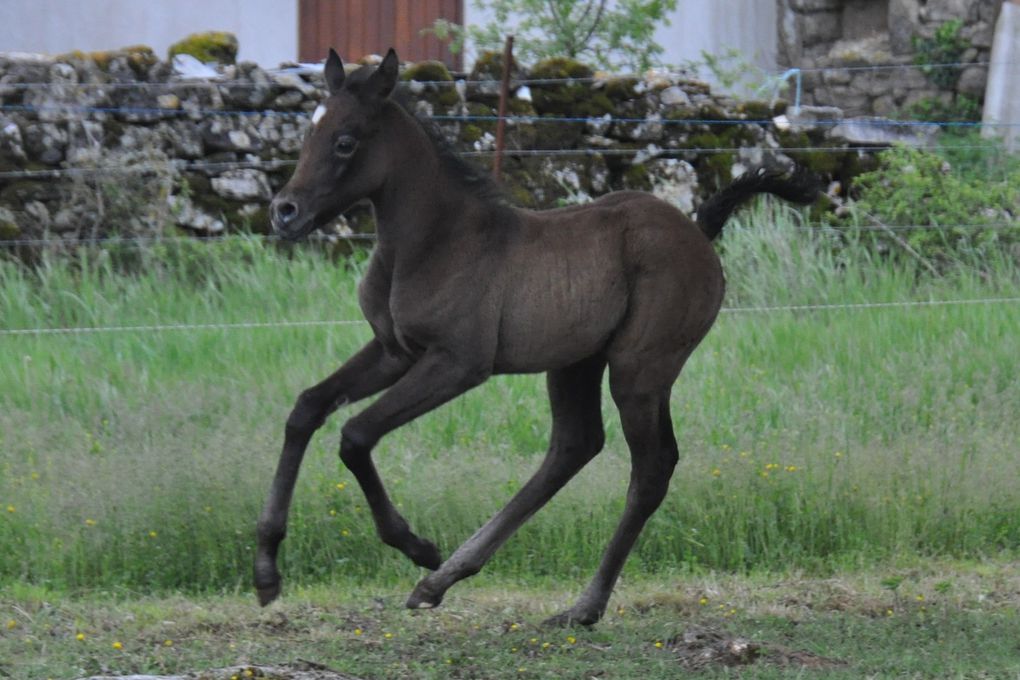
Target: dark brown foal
(462,286)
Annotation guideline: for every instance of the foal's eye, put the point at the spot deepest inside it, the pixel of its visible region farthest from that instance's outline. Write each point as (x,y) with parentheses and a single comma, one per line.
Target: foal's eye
(345,145)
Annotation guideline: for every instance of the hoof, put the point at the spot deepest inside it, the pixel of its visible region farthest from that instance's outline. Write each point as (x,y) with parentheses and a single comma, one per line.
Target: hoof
(569,619)
(424,553)
(424,597)
(267,580)
(268,593)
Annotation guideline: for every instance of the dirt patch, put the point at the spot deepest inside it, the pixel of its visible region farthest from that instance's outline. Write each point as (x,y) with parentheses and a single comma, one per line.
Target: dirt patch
(698,648)
(305,670)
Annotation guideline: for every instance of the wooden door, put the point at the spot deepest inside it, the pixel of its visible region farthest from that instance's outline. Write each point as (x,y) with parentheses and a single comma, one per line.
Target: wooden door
(359,27)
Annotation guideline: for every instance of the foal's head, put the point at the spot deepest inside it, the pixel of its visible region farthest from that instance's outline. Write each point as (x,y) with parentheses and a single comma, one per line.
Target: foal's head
(342,160)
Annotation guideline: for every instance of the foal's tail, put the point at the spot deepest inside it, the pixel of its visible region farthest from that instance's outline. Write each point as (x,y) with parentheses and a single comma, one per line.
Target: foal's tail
(797,187)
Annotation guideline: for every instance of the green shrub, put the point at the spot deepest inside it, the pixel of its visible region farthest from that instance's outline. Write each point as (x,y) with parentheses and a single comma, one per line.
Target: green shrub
(946,46)
(958,205)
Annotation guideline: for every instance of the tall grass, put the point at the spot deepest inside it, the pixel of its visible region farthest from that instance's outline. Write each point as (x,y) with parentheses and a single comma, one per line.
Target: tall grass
(813,439)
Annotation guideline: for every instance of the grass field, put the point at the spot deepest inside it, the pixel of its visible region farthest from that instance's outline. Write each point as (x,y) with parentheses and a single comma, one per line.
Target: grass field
(819,442)
(932,619)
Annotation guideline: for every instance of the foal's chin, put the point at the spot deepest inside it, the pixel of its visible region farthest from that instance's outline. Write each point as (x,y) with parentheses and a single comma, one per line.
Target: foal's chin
(296,234)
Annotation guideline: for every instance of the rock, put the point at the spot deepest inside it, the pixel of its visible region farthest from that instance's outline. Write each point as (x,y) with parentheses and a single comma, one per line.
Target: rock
(186,215)
(12,148)
(292,81)
(674,96)
(972,81)
(251,88)
(9,228)
(875,131)
(210,46)
(243,185)
(675,182)
(45,142)
(223,133)
(819,27)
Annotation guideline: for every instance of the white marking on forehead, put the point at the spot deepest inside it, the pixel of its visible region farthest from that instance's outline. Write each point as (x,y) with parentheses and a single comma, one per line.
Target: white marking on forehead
(320,111)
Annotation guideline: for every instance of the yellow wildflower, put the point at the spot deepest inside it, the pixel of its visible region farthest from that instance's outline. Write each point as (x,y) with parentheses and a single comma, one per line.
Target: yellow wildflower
(11,624)
(357,631)
(658,644)
(153,534)
(341,486)
(571,639)
(117,645)
(90,522)
(79,637)
(168,643)
(703,601)
(716,472)
(388,636)
(11,508)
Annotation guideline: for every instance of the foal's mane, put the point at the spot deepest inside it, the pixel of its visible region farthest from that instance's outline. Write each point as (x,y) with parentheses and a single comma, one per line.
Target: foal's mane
(475,179)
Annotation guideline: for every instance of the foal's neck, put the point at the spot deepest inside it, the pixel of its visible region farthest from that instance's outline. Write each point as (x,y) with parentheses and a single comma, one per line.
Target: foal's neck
(420,204)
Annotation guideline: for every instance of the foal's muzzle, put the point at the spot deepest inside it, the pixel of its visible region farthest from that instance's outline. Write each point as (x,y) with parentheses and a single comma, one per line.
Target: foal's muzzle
(287,219)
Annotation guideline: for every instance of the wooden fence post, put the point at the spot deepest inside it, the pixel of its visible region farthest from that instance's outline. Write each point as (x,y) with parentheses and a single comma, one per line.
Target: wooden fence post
(504,94)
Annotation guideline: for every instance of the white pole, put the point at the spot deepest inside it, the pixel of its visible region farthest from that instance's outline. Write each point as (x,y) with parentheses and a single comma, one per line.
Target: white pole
(1002,92)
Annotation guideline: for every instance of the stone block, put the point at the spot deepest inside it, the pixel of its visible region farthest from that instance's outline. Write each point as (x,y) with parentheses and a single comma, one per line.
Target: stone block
(242,185)
(819,28)
(904,21)
(972,81)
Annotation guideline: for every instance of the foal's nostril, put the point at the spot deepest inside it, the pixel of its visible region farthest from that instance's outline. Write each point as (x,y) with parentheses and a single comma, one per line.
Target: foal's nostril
(285,211)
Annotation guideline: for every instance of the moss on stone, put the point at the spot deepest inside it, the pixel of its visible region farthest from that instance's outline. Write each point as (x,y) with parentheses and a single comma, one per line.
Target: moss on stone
(425,71)
(489,66)
(139,57)
(218,46)
(8,229)
(520,107)
(470,134)
(560,67)
(621,88)
(566,98)
(636,176)
(755,109)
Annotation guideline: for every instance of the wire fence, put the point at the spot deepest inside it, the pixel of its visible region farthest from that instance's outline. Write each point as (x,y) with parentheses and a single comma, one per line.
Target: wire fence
(200,112)
(148,241)
(258,325)
(311,69)
(646,153)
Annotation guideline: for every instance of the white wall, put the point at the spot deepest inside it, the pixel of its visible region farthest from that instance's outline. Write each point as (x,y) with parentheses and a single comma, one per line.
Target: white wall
(266,29)
(713,26)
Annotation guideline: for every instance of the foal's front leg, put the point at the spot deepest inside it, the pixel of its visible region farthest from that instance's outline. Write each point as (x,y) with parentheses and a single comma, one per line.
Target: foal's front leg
(367,372)
(435,379)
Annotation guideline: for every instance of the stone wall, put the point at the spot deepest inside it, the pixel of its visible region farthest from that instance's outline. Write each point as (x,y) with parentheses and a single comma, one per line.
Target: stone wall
(123,145)
(835,34)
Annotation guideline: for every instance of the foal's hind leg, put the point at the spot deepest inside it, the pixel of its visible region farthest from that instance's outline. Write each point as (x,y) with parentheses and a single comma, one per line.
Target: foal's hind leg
(649,433)
(577,436)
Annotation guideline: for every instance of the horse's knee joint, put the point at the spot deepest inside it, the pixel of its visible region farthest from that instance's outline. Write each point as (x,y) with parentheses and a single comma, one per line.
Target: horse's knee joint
(307,414)
(355,444)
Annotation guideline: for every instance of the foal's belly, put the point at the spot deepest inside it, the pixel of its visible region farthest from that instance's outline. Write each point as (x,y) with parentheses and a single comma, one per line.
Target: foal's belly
(558,311)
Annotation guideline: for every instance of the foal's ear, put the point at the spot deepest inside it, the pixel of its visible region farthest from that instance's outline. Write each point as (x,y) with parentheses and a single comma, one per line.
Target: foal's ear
(382,82)
(334,72)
